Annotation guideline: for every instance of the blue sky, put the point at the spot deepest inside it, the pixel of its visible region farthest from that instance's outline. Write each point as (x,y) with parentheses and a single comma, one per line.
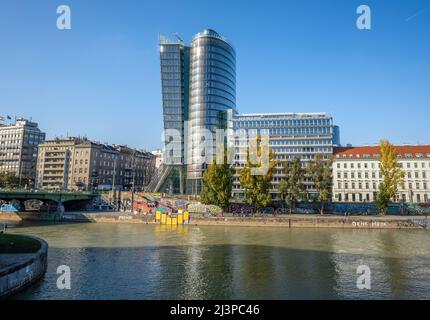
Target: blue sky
(101,79)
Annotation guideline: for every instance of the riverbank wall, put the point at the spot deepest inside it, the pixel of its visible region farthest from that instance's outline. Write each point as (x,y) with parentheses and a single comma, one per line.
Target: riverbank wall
(318,221)
(27,269)
(285,221)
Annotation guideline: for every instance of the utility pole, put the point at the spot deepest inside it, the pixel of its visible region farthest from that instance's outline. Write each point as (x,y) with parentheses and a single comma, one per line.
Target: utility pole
(20,173)
(113,183)
(133,181)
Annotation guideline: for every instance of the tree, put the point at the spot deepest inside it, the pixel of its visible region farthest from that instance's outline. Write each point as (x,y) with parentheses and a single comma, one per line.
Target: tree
(393,176)
(217,183)
(292,188)
(9,181)
(320,172)
(256,178)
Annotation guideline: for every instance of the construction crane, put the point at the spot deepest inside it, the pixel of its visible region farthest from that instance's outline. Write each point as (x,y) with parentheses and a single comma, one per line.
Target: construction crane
(178,37)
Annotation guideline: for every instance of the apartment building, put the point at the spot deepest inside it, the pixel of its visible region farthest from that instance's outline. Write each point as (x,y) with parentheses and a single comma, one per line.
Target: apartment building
(19,143)
(81,164)
(356,174)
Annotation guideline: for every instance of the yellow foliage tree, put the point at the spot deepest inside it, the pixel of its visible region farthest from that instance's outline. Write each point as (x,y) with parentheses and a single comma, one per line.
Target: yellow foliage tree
(393,176)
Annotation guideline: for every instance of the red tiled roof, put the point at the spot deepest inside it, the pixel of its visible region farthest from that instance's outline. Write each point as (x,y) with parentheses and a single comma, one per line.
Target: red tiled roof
(374,152)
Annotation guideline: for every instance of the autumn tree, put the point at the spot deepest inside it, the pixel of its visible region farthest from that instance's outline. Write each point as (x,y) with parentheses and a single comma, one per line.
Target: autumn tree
(9,181)
(393,176)
(256,175)
(292,188)
(320,172)
(217,183)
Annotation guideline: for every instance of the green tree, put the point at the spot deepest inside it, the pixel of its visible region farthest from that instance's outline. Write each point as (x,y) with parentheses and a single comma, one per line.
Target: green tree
(292,188)
(9,181)
(217,183)
(393,176)
(255,178)
(320,172)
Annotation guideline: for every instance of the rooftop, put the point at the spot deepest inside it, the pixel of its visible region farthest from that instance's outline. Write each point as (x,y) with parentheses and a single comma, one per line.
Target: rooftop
(366,152)
(283,115)
(212,33)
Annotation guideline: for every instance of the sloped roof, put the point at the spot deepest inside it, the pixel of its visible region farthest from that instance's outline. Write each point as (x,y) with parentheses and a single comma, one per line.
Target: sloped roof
(420,151)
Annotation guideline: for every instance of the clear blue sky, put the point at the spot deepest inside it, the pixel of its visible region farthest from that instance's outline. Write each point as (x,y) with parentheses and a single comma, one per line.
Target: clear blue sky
(101,79)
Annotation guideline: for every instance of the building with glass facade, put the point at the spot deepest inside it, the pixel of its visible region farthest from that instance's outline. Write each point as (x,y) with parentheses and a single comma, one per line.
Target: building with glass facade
(291,135)
(174,64)
(199,95)
(212,99)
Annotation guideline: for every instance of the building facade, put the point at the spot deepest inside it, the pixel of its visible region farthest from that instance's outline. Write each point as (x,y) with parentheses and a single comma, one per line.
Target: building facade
(212,99)
(199,95)
(291,135)
(81,164)
(158,158)
(19,143)
(357,176)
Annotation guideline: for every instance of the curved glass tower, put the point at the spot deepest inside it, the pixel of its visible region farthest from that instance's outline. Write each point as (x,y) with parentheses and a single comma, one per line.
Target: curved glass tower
(212,99)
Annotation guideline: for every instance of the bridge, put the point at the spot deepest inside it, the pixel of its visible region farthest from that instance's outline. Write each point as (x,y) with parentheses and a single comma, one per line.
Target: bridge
(58,197)
(49,200)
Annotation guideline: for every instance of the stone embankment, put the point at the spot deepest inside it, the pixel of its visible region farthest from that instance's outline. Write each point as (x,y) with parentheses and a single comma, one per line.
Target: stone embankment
(19,270)
(288,221)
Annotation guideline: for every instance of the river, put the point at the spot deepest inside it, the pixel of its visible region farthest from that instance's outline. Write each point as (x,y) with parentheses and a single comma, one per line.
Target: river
(137,261)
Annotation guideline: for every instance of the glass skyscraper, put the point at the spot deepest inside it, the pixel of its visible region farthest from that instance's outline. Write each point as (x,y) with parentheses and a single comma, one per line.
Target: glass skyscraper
(212,98)
(199,93)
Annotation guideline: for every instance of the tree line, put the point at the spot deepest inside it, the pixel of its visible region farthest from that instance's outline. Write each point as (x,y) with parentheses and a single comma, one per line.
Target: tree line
(217,181)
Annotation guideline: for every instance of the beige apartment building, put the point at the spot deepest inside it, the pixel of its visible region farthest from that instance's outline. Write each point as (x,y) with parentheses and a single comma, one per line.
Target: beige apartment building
(357,176)
(81,164)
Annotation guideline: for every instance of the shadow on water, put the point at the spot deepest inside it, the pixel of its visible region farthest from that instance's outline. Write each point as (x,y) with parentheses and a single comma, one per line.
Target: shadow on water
(226,272)
(35,223)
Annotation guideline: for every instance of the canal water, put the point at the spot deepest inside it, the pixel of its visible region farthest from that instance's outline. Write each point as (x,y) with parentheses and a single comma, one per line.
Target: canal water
(130,261)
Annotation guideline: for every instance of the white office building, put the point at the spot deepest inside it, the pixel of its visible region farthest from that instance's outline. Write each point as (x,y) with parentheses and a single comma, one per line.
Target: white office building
(291,135)
(356,174)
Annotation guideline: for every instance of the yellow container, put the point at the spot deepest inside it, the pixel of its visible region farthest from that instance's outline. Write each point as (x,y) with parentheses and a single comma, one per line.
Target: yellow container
(169,221)
(157,216)
(163,218)
(186,216)
(180,218)
(174,221)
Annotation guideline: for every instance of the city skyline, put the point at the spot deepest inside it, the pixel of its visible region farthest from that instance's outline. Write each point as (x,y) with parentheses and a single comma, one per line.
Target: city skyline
(104,72)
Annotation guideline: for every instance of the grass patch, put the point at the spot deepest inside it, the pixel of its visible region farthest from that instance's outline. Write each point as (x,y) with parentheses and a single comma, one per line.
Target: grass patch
(13,243)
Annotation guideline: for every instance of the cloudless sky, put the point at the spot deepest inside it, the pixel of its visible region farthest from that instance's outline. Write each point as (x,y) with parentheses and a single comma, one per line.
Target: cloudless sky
(102,78)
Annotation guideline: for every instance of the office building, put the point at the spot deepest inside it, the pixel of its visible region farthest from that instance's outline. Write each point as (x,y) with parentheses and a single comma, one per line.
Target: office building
(291,135)
(199,93)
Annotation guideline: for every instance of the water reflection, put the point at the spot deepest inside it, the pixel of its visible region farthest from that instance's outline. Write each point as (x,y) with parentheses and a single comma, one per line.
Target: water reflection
(188,262)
